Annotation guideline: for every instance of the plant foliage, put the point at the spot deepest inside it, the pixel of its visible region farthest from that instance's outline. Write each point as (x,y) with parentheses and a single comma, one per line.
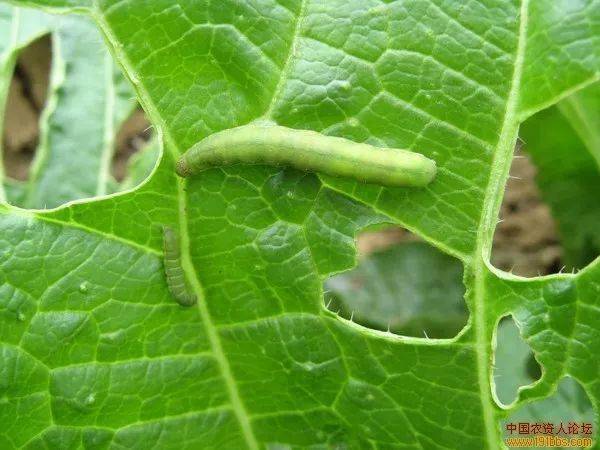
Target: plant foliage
(94,351)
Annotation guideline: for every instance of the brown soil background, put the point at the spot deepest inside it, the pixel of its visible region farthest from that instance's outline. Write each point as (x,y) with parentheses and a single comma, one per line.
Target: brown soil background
(525,242)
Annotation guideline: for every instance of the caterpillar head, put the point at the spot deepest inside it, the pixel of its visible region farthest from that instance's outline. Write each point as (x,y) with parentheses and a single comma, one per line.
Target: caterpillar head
(182,168)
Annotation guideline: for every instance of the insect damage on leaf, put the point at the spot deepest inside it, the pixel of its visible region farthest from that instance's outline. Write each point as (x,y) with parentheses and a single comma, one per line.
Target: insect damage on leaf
(310,151)
(176,280)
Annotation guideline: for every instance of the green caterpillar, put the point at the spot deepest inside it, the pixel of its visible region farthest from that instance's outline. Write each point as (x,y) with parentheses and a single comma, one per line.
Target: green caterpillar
(176,280)
(310,151)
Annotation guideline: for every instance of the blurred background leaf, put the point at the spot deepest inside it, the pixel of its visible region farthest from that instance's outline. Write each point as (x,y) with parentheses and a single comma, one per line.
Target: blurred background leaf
(87,102)
(411,289)
(18,28)
(564,143)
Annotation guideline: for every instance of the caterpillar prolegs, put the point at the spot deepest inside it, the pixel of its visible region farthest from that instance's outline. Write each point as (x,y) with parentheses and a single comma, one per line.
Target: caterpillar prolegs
(310,151)
(176,279)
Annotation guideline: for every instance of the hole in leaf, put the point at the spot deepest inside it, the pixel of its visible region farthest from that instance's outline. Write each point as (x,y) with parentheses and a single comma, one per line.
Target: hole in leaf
(88,101)
(562,168)
(526,241)
(514,362)
(400,284)
(25,101)
(568,414)
(134,153)
(563,143)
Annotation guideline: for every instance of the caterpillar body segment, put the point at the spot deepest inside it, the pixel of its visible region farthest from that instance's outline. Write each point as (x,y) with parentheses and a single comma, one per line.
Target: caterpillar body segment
(309,151)
(176,279)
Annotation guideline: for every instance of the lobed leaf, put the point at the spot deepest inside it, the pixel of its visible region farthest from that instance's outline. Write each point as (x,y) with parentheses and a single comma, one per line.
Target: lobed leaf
(95,352)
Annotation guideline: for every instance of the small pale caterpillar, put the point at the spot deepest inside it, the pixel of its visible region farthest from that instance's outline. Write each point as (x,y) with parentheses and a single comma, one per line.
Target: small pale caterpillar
(310,151)
(176,280)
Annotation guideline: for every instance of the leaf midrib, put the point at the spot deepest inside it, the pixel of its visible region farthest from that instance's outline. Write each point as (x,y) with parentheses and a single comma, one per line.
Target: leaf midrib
(491,206)
(287,65)
(108,141)
(587,132)
(170,144)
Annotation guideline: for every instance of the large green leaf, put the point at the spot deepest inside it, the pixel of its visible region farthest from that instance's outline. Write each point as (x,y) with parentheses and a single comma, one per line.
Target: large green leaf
(95,351)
